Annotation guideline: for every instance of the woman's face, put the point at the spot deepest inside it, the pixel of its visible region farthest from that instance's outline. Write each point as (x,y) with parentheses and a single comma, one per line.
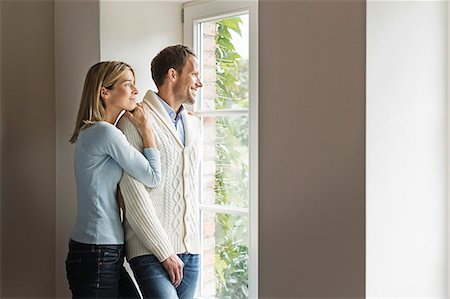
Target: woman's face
(123,93)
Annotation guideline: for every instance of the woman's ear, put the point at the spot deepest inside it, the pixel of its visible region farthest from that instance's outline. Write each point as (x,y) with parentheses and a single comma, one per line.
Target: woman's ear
(104,92)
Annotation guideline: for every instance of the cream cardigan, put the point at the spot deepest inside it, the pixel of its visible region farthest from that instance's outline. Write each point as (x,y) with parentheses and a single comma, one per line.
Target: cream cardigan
(163,220)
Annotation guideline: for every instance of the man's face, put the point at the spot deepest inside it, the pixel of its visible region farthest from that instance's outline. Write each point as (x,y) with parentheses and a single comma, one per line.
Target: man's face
(188,82)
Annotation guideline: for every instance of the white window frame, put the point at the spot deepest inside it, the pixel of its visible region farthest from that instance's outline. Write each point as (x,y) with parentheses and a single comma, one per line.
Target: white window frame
(194,13)
(448,150)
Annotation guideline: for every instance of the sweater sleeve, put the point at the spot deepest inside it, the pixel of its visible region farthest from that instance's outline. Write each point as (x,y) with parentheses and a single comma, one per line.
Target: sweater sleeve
(140,212)
(144,165)
(141,215)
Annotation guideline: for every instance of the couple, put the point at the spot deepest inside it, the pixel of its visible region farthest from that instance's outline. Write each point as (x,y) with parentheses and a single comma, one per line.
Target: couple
(149,168)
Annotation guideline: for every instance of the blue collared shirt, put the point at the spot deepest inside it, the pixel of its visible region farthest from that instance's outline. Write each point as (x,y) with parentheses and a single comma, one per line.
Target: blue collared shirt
(176,118)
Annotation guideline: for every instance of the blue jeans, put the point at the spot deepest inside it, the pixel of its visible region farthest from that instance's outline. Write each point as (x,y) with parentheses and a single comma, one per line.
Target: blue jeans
(154,281)
(97,271)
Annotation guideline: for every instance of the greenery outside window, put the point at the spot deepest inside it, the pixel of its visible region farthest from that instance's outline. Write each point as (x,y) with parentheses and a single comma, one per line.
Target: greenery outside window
(227,107)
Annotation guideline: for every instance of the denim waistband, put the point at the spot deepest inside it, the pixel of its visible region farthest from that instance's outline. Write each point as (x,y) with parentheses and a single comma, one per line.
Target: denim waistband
(74,245)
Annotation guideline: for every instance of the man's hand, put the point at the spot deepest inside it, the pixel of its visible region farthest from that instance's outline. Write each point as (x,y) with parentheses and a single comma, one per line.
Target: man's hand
(174,266)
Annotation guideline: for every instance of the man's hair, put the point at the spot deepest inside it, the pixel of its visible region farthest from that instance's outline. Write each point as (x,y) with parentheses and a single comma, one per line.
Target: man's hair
(170,57)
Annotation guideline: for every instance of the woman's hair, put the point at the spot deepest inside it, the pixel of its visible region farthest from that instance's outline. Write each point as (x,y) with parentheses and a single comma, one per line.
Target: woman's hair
(92,108)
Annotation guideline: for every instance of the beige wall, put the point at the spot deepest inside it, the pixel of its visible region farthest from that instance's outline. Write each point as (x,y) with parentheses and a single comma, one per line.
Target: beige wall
(28,149)
(1,147)
(77,47)
(311,144)
(312,114)
(41,62)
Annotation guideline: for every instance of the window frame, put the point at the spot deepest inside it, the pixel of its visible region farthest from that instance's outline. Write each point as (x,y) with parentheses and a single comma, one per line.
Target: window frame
(194,13)
(448,149)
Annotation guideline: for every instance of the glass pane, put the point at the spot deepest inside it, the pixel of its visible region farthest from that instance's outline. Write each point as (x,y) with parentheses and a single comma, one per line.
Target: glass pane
(224,63)
(225,175)
(224,256)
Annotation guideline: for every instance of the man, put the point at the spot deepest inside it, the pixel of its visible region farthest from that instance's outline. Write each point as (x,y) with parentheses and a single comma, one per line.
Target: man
(161,224)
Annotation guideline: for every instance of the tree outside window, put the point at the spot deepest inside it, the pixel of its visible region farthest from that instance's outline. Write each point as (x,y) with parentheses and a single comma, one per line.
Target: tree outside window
(225,162)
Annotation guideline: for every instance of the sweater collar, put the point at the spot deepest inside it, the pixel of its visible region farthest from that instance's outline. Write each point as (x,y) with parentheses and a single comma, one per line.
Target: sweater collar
(153,102)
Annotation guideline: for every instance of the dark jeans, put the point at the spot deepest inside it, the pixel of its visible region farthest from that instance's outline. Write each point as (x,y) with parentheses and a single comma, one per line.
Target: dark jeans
(97,271)
(154,281)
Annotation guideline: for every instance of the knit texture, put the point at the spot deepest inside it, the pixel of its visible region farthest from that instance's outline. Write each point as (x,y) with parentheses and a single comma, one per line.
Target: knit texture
(163,220)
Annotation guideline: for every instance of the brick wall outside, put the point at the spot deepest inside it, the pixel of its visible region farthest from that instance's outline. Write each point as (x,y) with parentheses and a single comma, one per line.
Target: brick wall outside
(209,153)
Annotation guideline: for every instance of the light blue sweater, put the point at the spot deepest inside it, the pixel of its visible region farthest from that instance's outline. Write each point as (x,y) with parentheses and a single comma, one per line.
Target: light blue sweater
(102,153)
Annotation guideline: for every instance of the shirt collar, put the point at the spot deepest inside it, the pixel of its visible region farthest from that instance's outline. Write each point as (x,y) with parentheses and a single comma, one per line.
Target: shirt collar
(173,116)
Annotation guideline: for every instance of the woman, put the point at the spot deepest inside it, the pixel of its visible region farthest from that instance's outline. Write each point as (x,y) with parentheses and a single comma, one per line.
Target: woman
(94,263)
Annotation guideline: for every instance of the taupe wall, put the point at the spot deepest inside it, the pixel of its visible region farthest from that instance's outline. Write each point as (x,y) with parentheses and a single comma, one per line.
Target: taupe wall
(1,147)
(72,64)
(28,149)
(312,115)
(312,63)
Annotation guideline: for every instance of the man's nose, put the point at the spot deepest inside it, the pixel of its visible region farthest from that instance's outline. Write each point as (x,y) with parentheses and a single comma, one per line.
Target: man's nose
(199,84)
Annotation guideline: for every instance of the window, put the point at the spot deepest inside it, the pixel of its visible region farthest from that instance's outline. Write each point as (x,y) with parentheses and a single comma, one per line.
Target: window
(223,34)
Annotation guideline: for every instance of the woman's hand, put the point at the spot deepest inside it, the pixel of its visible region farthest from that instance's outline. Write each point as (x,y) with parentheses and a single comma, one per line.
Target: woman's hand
(139,117)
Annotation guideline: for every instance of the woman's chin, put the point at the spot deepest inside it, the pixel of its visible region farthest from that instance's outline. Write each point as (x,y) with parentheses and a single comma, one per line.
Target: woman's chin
(131,106)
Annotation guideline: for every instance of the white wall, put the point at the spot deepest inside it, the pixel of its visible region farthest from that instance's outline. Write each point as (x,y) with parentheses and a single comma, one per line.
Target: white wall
(406,210)
(134,32)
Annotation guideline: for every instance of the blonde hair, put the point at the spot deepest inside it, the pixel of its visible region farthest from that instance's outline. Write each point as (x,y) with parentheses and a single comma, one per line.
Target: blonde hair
(92,108)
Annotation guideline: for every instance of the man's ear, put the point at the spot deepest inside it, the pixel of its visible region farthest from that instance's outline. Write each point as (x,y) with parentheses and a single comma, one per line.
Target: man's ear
(172,74)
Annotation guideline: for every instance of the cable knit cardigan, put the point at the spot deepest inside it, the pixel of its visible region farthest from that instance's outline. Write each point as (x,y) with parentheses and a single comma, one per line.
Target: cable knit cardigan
(163,220)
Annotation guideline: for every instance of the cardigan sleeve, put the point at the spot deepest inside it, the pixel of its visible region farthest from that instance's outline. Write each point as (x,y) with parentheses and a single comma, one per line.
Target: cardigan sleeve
(140,211)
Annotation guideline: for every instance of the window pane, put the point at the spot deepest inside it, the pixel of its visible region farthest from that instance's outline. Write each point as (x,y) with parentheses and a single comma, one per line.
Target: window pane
(225,161)
(224,62)
(224,255)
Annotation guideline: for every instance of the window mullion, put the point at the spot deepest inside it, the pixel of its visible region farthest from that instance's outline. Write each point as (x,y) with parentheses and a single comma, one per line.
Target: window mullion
(224,209)
(222,112)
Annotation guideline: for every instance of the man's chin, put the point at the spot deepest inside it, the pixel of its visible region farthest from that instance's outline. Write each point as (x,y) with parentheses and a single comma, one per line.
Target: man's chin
(190,101)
